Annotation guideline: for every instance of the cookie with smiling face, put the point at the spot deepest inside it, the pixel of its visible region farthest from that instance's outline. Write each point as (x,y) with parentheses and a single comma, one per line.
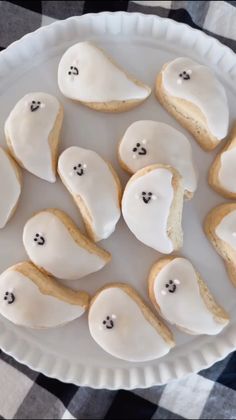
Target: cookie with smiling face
(95,187)
(55,244)
(181,297)
(152,206)
(32,133)
(10,187)
(148,142)
(31,299)
(123,325)
(220,228)
(192,94)
(87,75)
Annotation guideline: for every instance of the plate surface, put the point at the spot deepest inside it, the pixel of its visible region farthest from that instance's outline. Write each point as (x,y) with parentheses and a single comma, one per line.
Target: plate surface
(141,43)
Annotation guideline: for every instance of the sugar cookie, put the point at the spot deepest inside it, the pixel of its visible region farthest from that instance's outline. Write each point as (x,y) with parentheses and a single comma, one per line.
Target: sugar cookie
(32,133)
(55,244)
(152,207)
(148,142)
(10,187)
(86,74)
(31,299)
(220,227)
(222,173)
(194,96)
(181,297)
(123,325)
(95,187)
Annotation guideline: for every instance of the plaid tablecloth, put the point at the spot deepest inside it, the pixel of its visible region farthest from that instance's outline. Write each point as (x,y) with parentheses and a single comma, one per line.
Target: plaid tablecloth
(210,394)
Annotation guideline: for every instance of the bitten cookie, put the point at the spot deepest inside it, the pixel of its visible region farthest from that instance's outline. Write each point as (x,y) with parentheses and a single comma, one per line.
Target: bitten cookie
(10,187)
(123,325)
(222,173)
(95,187)
(220,228)
(55,244)
(86,74)
(191,93)
(31,299)
(148,142)
(152,207)
(181,296)
(32,133)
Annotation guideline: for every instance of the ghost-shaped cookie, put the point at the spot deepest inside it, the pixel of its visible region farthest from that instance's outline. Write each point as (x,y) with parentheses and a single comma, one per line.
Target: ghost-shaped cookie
(31,299)
(222,172)
(182,297)
(152,206)
(86,74)
(95,187)
(192,93)
(148,142)
(123,325)
(220,228)
(55,244)
(32,132)
(10,187)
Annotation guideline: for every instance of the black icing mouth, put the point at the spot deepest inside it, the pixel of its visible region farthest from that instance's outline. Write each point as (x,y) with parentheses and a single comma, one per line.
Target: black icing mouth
(35,105)
(108,322)
(143,151)
(146,196)
(9,297)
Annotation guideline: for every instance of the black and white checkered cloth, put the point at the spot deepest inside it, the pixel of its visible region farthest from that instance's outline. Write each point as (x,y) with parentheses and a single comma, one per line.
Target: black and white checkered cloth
(25,394)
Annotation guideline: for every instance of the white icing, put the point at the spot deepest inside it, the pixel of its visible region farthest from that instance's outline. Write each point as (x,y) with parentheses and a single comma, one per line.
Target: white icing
(99,79)
(132,337)
(97,188)
(60,255)
(202,89)
(227,172)
(148,222)
(29,133)
(185,307)
(10,188)
(226,229)
(163,144)
(32,308)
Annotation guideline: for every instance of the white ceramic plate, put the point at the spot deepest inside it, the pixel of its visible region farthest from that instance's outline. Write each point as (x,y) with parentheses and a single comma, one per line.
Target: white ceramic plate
(141,43)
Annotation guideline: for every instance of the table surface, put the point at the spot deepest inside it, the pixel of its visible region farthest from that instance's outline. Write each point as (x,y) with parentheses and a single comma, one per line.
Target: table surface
(207,395)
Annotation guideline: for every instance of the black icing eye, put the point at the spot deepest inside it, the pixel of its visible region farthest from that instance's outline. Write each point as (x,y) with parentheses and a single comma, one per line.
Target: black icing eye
(71,67)
(108,318)
(138,144)
(150,194)
(79,165)
(104,322)
(167,285)
(69,72)
(33,102)
(184,72)
(39,102)
(143,193)
(171,281)
(135,149)
(75,168)
(37,235)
